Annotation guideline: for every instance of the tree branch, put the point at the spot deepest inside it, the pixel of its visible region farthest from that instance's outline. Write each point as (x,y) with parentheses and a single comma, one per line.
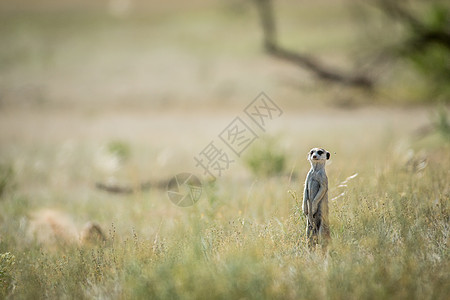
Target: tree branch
(265,10)
(124,189)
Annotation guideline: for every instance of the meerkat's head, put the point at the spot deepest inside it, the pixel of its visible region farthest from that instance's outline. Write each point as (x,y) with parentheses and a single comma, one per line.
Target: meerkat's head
(318,155)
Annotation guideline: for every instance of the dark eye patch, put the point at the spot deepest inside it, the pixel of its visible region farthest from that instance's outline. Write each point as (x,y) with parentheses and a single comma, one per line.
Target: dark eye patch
(320,152)
(311,152)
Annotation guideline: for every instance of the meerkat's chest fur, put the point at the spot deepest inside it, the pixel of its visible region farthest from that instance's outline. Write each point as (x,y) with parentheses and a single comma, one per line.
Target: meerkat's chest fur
(314,180)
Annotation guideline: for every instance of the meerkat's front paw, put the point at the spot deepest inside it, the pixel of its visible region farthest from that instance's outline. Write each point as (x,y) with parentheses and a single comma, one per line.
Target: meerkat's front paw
(314,209)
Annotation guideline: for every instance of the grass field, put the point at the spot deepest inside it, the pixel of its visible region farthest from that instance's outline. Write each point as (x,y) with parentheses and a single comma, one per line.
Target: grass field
(93,97)
(245,237)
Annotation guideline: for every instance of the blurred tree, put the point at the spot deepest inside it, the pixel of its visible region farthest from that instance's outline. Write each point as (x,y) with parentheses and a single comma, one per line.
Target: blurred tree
(424,41)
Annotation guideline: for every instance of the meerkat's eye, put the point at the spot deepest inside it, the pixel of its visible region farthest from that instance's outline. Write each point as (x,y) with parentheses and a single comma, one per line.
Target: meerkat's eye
(320,152)
(310,153)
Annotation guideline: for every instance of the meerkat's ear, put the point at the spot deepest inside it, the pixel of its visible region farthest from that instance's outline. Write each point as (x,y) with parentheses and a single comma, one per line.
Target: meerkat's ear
(328,155)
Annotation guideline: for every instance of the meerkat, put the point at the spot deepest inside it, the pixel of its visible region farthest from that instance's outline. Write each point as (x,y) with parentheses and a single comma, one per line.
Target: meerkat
(315,196)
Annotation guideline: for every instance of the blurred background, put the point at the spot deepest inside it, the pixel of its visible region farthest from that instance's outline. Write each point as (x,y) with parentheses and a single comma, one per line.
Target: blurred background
(123,92)
(210,54)
(102,102)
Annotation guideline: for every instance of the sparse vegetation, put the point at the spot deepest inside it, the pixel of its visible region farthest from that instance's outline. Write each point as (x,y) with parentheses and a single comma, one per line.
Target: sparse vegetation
(442,123)
(6,178)
(266,158)
(119,149)
(7,261)
(390,235)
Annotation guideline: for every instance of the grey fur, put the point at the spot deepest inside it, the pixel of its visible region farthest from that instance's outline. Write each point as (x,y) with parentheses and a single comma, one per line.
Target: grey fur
(315,196)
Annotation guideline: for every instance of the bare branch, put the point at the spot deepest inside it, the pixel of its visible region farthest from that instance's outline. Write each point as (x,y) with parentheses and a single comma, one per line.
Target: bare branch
(122,189)
(265,10)
(322,72)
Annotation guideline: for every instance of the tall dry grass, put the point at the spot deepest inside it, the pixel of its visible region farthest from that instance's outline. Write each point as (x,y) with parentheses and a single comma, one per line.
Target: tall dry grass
(390,234)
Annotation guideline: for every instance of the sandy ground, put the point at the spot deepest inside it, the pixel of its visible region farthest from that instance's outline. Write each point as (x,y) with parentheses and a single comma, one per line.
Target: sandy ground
(175,126)
(168,140)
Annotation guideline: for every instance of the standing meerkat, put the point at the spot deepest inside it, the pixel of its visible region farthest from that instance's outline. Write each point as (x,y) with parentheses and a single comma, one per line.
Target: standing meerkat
(315,196)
